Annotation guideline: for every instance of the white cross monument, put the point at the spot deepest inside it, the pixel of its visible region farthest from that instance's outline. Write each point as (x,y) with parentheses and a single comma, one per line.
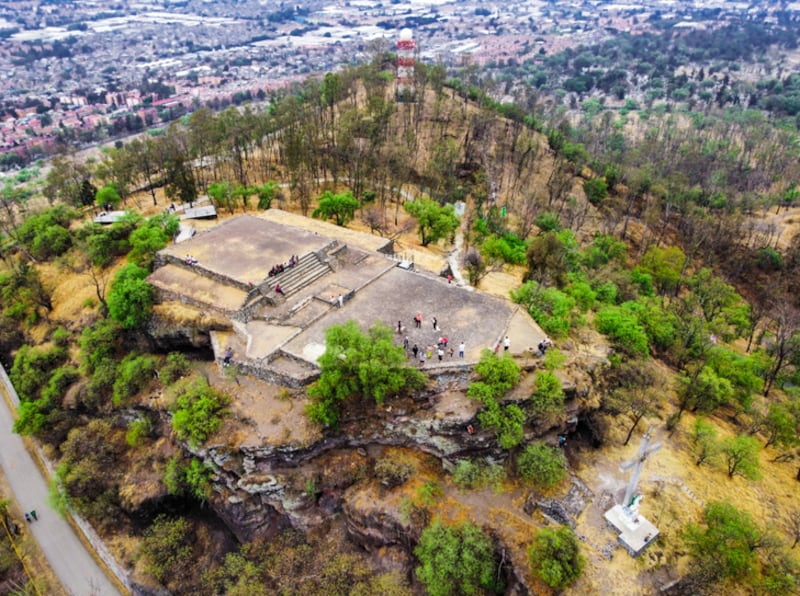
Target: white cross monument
(635,532)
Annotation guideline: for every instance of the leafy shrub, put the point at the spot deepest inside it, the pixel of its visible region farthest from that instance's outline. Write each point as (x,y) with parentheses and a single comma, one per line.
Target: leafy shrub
(150,237)
(583,294)
(660,325)
(392,472)
(555,557)
(355,364)
(61,337)
(596,191)
(498,375)
(39,415)
(90,472)
(769,259)
(99,343)
(192,479)
(130,297)
(473,474)
(548,222)
(175,367)
(32,369)
(604,249)
(198,410)
(624,330)
(457,559)
(644,281)
(138,430)
(542,465)
(507,248)
(429,493)
(548,394)
(133,374)
(506,421)
(550,308)
(166,548)
(47,234)
(606,292)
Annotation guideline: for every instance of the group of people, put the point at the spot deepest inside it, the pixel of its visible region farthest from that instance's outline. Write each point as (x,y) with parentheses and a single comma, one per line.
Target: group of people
(31,516)
(441,349)
(544,345)
(281,267)
(190,260)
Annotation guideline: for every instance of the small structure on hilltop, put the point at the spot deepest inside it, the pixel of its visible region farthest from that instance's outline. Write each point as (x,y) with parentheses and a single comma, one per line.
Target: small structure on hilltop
(406,45)
(635,531)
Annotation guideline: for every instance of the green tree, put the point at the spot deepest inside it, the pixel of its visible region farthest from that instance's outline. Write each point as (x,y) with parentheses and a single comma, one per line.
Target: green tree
(192,479)
(456,559)
(781,425)
(340,207)
(704,441)
(222,193)
(166,549)
(551,256)
(740,454)
(665,266)
(550,307)
(631,391)
(198,410)
(266,193)
(704,390)
(107,195)
(434,222)
(498,375)
(623,328)
(596,190)
(541,465)
(130,298)
(89,473)
(506,421)
(555,557)
(175,367)
(134,372)
(46,234)
(150,237)
(548,394)
(726,547)
(368,366)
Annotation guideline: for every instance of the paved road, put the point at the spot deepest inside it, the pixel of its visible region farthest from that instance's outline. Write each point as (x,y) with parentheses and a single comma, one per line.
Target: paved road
(78,571)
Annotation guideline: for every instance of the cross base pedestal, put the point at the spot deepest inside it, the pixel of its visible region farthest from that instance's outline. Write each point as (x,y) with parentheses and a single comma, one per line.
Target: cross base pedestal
(635,532)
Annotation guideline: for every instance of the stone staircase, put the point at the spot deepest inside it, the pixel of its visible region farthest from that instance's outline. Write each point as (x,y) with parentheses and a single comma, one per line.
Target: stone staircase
(308,269)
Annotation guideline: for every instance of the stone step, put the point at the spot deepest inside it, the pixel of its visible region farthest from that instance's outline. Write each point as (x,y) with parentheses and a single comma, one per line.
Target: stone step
(311,277)
(306,262)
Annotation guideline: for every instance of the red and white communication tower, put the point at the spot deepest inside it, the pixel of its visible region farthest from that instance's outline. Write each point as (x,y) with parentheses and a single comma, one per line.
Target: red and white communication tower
(405,66)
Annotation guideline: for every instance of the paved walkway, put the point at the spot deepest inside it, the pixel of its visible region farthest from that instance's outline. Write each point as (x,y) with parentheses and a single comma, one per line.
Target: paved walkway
(72,563)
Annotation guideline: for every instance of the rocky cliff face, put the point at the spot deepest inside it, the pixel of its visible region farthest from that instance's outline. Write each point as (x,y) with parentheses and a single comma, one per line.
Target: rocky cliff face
(259,490)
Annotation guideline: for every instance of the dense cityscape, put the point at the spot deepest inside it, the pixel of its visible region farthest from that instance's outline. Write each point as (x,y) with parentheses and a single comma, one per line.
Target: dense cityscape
(86,71)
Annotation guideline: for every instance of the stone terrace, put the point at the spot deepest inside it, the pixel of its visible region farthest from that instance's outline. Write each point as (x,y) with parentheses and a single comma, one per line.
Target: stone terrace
(243,249)
(280,339)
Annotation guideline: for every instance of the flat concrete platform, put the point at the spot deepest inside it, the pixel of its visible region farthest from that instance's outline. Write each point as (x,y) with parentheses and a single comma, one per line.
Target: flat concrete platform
(109,217)
(477,319)
(197,288)
(635,533)
(285,337)
(246,247)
